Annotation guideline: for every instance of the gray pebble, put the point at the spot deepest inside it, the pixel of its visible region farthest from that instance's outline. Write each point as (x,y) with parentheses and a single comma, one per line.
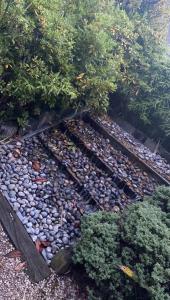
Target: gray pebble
(49,222)
(12,200)
(48,249)
(44,254)
(30,198)
(37,231)
(44,214)
(30,230)
(49,255)
(34,238)
(25,221)
(16,206)
(21,194)
(42,237)
(3,187)
(65,240)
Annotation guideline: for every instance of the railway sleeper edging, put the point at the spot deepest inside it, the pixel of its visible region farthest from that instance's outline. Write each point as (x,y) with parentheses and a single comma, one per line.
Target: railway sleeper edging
(98,161)
(81,190)
(36,266)
(119,146)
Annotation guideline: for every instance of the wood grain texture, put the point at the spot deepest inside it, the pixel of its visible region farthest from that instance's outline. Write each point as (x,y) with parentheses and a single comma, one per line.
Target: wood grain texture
(37,268)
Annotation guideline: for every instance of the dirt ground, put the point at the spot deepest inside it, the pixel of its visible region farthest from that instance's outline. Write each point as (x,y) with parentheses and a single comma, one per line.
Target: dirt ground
(15,285)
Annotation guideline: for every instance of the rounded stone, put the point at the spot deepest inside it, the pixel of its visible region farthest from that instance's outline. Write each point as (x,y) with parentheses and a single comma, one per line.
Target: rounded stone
(30,230)
(37,231)
(49,256)
(11,186)
(16,206)
(21,194)
(49,222)
(12,200)
(3,187)
(44,214)
(29,224)
(42,237)
(34,238)
(65,240)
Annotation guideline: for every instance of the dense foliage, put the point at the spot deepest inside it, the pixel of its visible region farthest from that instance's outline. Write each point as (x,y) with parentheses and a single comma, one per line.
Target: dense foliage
(74,53)
(161,198)
(146,72)
(138,239)
(56,53)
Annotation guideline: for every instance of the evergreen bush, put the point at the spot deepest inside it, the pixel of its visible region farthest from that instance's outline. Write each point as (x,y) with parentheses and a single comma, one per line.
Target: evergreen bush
(57,53)
(161,198)
(139,239)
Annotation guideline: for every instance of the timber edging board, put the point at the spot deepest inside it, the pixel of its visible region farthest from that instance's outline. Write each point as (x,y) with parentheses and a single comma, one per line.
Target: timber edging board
(120,146)
(98,161)
(37,268)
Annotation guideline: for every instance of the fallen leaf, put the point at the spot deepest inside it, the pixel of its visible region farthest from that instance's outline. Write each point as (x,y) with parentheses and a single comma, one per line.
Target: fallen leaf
(81,211)
(40,180)
(16,153)
(77,224)
(14,254)
(40,245)
(36,165)
(80,76)
(127,271)
(21,266)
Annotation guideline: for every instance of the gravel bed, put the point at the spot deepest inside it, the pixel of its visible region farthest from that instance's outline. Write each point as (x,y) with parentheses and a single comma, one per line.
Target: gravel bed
(100,185)
(50,210)
(140,182)
(153,159)
(17,285)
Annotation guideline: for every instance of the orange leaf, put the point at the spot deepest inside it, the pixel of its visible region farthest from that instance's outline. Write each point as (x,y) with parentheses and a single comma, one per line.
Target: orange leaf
(40,245)
(16,153)
(21,266)
(39,179)
(36,165)
(14,254)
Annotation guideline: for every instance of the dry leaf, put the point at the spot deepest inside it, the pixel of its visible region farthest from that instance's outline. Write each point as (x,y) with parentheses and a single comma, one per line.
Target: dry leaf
(80,76)
(21,266)
(40,245)
(41,180)
(36,165)
(16,153)
(14,254)
(127,271)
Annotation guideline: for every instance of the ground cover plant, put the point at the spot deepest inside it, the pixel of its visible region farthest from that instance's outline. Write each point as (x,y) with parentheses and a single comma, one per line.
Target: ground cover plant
(127,255)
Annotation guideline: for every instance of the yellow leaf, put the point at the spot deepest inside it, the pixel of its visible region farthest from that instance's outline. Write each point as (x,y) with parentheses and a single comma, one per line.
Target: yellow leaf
(80,76)
(127,271)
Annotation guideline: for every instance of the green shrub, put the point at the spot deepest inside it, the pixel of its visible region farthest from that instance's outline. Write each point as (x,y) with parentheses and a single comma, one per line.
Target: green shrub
(161,198)
(57,53)
(138,239)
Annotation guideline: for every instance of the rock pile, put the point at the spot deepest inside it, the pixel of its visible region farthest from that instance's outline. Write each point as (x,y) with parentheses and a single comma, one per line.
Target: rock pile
(153,159)
(101,187)
(140,182)
(45,200)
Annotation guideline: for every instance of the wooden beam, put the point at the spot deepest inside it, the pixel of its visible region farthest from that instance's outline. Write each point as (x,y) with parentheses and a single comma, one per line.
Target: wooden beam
(37,268)
(120,146)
